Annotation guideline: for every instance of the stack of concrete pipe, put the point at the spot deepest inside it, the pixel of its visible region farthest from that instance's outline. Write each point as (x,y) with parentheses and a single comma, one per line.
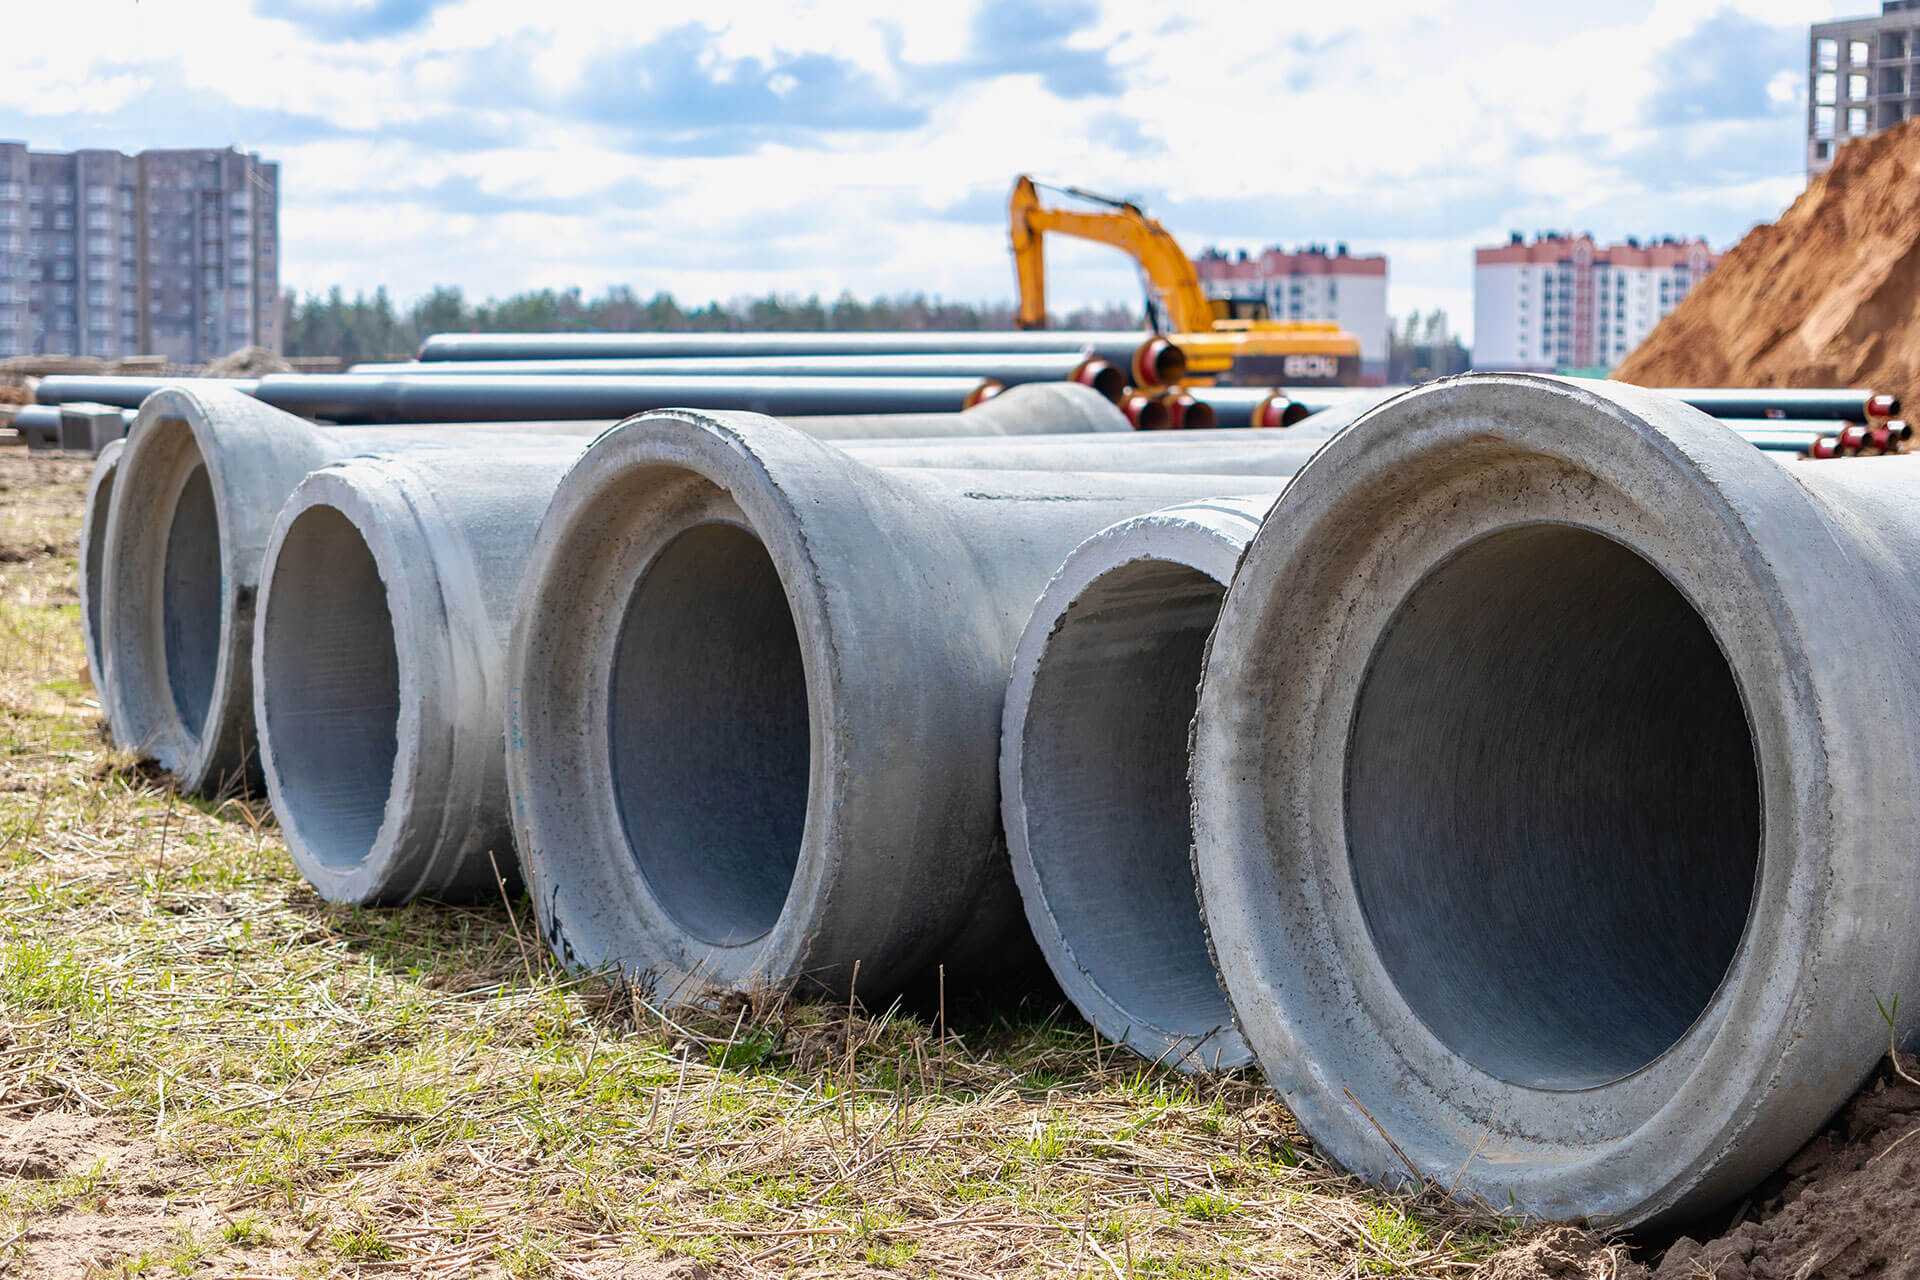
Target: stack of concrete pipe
(1505,772)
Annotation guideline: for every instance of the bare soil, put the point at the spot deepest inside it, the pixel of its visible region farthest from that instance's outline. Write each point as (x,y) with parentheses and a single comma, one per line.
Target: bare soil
(1823,297)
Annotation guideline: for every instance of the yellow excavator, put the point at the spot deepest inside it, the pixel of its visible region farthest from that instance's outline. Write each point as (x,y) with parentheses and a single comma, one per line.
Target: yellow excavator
(1231,341)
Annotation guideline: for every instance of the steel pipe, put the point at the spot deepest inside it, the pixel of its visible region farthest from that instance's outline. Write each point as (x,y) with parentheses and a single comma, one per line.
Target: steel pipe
(1265,407)
(1786,402)
(1540,812)
(1149,359)
(1010,369)
(202,476)
(123,392)
(397,572)
(93,541)
(754,692)
(1093,777)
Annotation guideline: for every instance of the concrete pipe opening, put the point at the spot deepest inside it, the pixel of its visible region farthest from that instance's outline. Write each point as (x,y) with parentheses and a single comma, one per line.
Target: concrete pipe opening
(708,734)
(1553,810)
(190,601)
(1106,808)
(328,657)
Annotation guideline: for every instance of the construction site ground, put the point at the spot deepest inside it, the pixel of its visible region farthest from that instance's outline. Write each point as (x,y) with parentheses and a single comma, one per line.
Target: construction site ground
(205,1070)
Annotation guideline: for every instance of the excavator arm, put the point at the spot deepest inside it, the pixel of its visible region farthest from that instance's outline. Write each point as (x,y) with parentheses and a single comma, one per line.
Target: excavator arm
(1170,275)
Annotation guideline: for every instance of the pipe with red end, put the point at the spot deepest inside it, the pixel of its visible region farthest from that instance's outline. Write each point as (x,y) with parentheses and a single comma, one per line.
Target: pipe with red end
(1145,412)
(1825,447)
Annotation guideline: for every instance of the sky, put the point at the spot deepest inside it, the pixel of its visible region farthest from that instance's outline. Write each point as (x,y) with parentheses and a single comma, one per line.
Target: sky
(739,147)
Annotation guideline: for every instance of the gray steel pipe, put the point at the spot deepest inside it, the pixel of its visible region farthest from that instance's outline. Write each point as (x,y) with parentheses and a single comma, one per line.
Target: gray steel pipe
(391,578)
(1093,777)
(125,392)
(754,692)
(93,542)
(1541,811)
(1010,369)
(1149,359)
(1787,402)
(204,472)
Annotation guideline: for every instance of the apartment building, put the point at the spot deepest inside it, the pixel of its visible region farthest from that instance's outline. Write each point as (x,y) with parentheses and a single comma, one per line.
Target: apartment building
(1862,77)
(1565,302)
(1313,283)
(172,253)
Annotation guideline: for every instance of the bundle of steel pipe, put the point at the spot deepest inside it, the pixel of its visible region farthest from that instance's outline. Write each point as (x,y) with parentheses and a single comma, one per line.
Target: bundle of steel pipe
(1009,369)
(1149,359)
(1538,792)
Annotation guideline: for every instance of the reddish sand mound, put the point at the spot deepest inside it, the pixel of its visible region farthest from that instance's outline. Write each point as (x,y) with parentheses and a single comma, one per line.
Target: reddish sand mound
(1845,1208)
(1827,296)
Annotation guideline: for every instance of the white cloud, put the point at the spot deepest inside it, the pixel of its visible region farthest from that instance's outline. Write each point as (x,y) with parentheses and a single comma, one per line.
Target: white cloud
(468,149)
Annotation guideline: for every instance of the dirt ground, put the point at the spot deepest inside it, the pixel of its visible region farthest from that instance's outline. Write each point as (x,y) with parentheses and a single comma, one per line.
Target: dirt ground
(206,1071)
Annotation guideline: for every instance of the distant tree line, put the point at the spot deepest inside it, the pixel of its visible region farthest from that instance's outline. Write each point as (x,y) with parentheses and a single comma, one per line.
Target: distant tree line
(1423,345)
(373,327)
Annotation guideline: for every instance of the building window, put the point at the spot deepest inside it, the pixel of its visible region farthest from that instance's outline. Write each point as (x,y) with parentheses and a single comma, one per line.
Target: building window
(1826,53)
(1821,151)
(1856,88)
(1856,121)
(1823,122)
(1858,53)
(1826,88)
(1893,80)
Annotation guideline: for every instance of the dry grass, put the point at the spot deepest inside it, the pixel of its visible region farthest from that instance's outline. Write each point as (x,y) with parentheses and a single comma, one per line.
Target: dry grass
(273,1085)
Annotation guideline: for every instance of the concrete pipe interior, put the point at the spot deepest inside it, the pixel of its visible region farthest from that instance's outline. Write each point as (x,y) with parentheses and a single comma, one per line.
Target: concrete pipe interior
(333,682)
(190,600)
(97,554)
(1104,788)
(1552,807)
(708,734)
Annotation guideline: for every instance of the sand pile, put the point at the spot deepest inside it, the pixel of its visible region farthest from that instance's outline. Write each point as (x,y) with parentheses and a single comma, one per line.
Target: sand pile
(1827,296)
(1846,1207)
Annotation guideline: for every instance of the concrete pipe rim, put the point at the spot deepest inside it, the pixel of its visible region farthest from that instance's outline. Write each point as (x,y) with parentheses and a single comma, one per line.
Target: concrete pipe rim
(348,544)
(93,559)
(1169,1006)
(680,494)
(171,651)
(1383,508)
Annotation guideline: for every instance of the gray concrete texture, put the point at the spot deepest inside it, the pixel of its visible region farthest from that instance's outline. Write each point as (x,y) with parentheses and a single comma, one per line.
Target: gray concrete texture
(1541,796)
(754,693)
(1093,777)
(93,541)
(404,567)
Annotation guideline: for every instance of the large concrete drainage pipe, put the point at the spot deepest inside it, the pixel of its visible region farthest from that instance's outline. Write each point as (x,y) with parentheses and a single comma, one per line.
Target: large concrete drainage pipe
(386,592)
(754,701)
(1538,806)
(1093,777)
(199,484)
(93,551)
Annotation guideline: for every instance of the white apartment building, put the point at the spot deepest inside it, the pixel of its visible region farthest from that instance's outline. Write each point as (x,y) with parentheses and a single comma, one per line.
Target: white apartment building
(1310,284)
(1564,302)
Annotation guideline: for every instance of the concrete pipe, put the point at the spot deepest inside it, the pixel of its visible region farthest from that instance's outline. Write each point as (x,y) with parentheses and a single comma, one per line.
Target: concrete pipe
(1040,408)
(203,474)
(1541,810)
(754,699)
(386,591)
(93,542)
(395,574)
(1093,777)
